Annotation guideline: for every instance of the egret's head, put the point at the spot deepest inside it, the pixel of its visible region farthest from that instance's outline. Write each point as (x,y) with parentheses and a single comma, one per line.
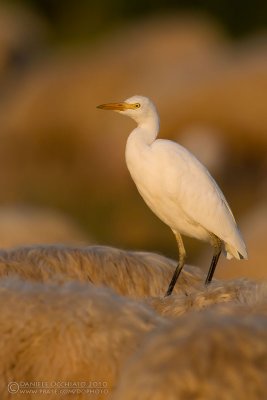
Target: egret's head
(139,108)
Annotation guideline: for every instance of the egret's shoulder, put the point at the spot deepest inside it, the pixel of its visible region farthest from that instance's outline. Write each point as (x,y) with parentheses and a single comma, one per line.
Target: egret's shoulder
(168,146)
(175,151)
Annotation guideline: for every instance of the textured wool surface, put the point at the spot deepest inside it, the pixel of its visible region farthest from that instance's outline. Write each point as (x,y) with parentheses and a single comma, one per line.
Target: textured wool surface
(72,332)
(61,320)
(238,291)
(204,355)
(131,273)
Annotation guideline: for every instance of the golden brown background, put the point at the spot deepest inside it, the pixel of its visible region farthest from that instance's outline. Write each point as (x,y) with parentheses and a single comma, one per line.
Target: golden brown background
(62,171)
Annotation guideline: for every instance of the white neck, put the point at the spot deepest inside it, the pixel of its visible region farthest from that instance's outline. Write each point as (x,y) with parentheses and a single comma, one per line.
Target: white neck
(147,130)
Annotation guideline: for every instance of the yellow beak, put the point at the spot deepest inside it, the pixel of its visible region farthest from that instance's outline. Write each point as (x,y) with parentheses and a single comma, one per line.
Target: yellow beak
(116,106)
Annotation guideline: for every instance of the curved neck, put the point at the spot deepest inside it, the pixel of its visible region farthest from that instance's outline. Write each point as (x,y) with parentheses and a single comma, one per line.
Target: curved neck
(147,130)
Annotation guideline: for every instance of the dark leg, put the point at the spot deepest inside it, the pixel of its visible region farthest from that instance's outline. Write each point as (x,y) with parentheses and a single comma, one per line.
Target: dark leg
(212,268)
(217,245)
(179,266)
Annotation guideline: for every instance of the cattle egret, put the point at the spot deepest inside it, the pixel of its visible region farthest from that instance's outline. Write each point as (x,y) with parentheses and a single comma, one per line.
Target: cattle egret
(177,187)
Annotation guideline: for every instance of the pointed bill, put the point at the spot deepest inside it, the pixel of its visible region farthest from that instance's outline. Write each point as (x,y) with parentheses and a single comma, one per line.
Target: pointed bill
(116,106)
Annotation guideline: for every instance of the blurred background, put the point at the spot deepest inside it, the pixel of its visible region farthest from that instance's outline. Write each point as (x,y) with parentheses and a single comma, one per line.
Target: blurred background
(63,176)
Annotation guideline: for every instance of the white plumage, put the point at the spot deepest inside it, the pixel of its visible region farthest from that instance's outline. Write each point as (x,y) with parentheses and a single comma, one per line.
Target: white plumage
(177,187)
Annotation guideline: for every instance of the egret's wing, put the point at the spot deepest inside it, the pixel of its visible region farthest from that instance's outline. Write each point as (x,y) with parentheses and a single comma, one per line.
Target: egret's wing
(196,192)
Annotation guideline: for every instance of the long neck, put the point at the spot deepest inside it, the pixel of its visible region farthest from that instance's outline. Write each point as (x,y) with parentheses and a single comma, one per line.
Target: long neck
(138,147)
(147,130)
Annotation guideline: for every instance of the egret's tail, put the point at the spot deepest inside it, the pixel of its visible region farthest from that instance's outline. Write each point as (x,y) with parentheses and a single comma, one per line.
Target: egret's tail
(239,252)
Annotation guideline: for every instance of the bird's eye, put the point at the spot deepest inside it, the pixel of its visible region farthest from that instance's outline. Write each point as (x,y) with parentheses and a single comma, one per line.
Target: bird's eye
(137,105)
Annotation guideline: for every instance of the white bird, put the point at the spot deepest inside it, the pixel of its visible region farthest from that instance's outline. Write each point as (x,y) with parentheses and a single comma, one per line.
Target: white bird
(177,187)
